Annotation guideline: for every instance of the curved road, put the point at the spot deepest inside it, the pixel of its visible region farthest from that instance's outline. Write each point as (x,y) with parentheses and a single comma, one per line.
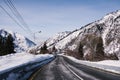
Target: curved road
(63,68)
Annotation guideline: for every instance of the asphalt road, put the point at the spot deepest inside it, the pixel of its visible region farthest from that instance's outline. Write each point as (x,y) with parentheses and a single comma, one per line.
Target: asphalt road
(63,68)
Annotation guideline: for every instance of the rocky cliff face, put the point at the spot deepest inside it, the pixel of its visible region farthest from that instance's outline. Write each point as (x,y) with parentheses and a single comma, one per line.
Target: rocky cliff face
(106,29)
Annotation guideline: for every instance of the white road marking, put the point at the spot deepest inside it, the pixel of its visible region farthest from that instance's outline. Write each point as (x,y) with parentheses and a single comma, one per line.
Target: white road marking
(72,71)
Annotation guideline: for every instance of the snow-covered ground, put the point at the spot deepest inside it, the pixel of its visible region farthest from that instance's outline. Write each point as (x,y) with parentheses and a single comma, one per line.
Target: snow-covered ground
(21,61)
(107,65)
(18,59)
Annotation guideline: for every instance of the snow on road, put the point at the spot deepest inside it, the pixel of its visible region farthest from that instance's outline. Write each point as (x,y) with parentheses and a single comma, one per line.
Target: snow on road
(12,61)
(107,65)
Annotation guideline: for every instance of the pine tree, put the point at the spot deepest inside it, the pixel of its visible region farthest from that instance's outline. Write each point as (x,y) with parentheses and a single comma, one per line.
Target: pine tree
(45,46)
(80,50)
(43,49)
(6,45)
(54,49)
(100,48)
(10,44)
(1,45)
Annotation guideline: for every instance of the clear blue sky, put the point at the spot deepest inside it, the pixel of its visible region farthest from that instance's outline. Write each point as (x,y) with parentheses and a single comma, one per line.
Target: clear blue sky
(52,16)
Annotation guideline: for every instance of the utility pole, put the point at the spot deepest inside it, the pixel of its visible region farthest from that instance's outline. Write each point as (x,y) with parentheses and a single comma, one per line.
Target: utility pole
(34,39)
(35,33)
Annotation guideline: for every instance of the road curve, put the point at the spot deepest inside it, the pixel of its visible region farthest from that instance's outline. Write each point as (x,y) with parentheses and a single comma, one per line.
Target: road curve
(63,68)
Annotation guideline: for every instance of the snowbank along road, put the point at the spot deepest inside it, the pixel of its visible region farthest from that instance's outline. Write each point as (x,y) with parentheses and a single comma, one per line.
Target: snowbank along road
(63,68)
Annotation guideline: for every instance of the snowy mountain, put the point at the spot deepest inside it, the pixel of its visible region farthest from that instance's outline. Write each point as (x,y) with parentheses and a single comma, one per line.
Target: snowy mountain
(51,41)
(21,43)
(106,29)
(58,37)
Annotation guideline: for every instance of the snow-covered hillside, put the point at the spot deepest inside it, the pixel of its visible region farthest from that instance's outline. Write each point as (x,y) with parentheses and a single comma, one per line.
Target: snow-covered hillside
(21,43)
(52,40)
(55,39)
(108,28)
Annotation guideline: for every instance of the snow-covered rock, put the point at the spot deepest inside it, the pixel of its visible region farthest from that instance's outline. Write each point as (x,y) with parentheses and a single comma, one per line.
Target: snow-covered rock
(21,43)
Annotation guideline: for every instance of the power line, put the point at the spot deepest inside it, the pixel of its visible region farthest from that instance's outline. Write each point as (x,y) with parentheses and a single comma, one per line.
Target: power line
(11,17)
(17,14)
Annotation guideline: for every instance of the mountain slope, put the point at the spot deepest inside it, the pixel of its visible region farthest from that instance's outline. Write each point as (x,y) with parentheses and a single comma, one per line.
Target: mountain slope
(51,41)
(107,28)
(55,39)
(20,42)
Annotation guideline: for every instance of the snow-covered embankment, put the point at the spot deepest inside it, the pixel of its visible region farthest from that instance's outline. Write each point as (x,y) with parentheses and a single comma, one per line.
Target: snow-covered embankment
(107,65)
(20,65)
